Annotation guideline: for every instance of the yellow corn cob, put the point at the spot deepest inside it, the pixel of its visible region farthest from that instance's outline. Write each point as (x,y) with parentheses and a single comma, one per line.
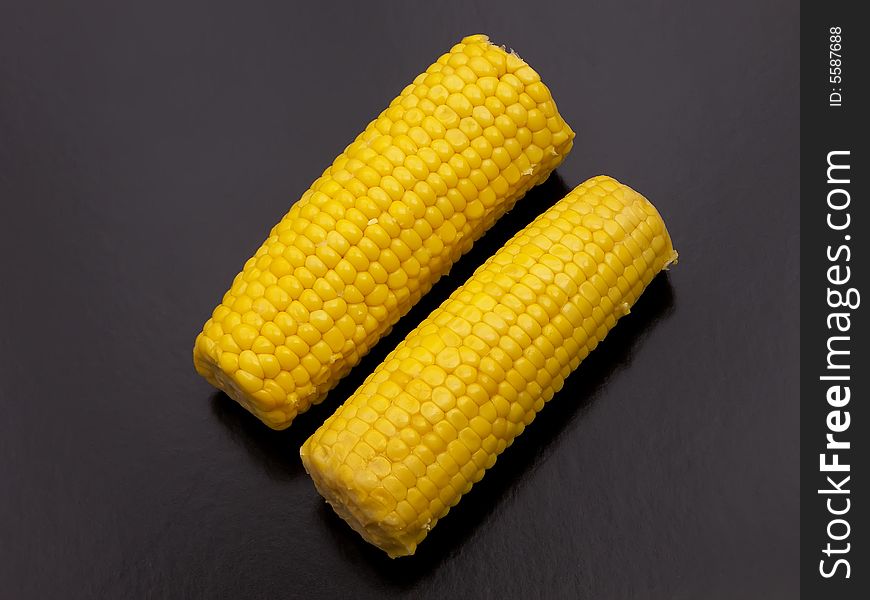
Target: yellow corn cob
(395,210)
(456,392)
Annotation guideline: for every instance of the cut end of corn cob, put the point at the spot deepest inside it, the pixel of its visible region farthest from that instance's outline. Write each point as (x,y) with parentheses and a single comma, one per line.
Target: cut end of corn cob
(454,151)
(429,421)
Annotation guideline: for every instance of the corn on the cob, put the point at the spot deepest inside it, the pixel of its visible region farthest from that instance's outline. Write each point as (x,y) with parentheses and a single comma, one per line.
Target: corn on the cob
(455,393)
(396,209)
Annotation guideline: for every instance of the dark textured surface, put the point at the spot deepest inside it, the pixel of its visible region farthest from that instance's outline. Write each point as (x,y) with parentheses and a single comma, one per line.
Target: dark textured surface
(145,152)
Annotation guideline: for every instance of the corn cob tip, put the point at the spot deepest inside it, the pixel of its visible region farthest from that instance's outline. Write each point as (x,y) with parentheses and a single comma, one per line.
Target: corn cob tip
(475,38)
(671,255)
(368,516)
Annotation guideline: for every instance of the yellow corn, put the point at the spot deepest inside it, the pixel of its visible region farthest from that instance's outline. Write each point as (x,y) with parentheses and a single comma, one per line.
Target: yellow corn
(456,392)
(395,210)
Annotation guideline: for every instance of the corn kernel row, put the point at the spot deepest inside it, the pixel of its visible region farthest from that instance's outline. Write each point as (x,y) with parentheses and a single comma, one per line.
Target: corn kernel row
(428,422)
(454,151)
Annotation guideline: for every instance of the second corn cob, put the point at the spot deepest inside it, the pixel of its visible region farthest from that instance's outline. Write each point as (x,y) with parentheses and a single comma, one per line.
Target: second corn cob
(450,155)
(424,427)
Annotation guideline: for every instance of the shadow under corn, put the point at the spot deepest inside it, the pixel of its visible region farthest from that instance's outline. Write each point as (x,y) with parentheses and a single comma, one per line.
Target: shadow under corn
(532,447)
(278,451)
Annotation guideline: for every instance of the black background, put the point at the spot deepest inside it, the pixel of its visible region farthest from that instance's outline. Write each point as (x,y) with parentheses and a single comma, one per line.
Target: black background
(146,150)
